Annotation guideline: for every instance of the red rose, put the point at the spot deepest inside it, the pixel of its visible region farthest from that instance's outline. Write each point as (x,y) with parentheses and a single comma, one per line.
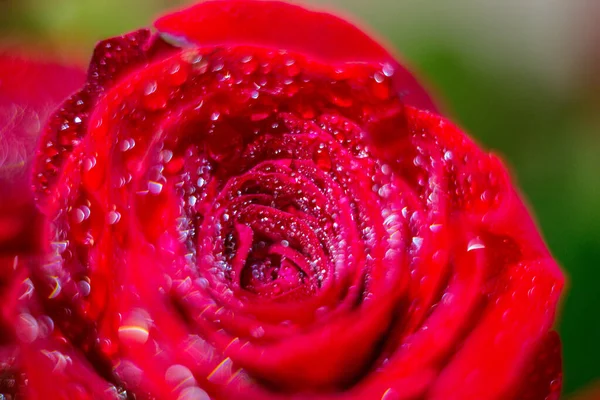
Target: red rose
(258,202)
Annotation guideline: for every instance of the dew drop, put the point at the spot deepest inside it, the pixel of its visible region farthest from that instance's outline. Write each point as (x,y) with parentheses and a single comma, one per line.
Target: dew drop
(177,75)
(124,145)
(46,325)
(475,244)
(81,214)
(390,394)
(193,393)
(84,288)
(555,385)
(166,155)
(154,99)
(179,376)
(385,191)
(258,332)
(60,246)
(129,373)
(135,328)
(417,242)
(154,187)
(133,334)
(89,163)
(435,227)
(113,217)
(218,66)
(150,88)
(27,328)
(447,298)
(387,70)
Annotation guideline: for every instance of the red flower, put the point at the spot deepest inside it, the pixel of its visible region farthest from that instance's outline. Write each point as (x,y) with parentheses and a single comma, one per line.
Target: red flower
(258,202)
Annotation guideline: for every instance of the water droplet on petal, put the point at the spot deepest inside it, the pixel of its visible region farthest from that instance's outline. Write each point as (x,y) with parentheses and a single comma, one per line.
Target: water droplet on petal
(417,242)
(84,288)
(60,246)
(27,328)
(475,244)
(135,328)
(258,332)
(179,376)
(390,394)
(113,217)
(435,227)
(154,187)
(193,393)
(388,70)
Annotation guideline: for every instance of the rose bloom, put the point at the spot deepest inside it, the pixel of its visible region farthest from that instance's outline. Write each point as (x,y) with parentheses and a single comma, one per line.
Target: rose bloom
(259,202)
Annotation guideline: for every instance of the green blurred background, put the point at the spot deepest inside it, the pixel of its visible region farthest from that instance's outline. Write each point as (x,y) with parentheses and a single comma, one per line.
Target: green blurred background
(522,76)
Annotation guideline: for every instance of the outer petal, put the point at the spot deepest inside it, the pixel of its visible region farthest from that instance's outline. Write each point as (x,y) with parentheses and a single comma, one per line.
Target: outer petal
(29,92)
(502,355)
(279,25)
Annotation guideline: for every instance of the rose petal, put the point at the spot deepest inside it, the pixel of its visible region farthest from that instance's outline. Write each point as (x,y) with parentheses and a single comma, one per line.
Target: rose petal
(282,26)
(29,92)
(522,293)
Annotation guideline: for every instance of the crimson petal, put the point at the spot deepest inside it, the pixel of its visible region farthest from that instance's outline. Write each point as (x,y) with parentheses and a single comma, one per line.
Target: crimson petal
(278,25)
(29,92)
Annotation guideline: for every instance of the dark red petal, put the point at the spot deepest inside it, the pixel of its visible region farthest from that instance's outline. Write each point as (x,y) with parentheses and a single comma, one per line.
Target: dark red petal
(279,25)
(544,373)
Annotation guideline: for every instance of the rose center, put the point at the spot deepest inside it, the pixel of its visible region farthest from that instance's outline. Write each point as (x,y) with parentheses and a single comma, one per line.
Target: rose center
(271,274)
